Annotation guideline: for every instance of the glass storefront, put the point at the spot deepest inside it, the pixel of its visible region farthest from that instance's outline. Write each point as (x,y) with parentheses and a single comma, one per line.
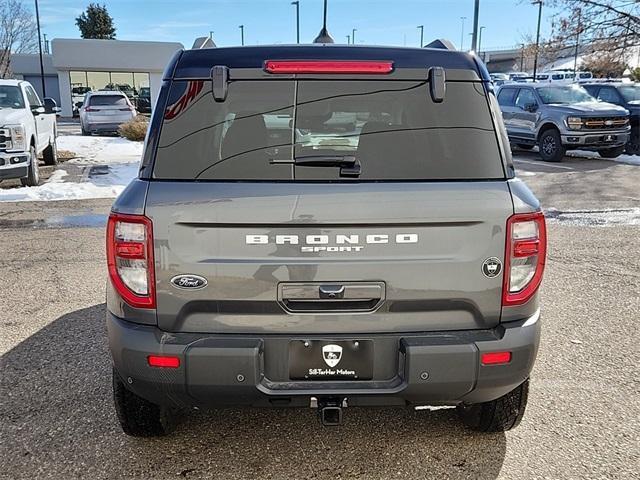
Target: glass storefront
(134,84)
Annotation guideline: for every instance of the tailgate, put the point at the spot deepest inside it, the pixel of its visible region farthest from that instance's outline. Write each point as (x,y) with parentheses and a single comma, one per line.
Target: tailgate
(265,249)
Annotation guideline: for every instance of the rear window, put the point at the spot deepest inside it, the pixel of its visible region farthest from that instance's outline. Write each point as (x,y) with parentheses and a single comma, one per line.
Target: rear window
(107,101)
(393,129)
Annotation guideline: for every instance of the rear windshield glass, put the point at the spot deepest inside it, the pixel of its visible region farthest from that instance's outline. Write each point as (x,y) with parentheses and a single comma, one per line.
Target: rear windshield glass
(107,100)
(273,130)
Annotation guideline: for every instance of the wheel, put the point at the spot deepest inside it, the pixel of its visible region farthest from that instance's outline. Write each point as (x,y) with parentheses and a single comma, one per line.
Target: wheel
(611,152)
(499,415)
(524,146)
(84,132)
(550,146)
(632,149)
(139,417)
(50,154)
(33,173)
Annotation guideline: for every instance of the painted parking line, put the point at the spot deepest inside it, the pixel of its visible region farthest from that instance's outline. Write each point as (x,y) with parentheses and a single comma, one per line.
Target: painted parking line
(546,164)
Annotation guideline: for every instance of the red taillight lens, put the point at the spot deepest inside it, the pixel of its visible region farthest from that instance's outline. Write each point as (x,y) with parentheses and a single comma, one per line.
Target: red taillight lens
(165,361)
(524,257)
(89,109)
(328,66)
(130,259)
(495,358)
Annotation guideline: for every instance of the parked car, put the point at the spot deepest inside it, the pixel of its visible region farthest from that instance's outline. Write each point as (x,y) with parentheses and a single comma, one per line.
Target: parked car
(27,129)
(626,95)
(143,104)
(516,75)
(559,117)
(105,111)
(375,250)
(499,79)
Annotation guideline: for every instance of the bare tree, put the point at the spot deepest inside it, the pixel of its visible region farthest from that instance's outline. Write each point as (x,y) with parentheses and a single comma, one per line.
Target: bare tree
(609,29)
(18,33)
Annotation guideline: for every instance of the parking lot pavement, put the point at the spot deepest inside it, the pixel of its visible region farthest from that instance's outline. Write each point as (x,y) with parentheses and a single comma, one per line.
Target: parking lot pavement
(57,419)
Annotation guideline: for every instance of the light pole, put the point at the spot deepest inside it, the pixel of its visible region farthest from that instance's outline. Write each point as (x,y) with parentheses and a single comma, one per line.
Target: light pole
(241,27)
(575,56)
(474,37)
(421,27)
(462,34)
(44,92)
(297,4)
(480,40)
(522,57)
(353,36)
(535,58)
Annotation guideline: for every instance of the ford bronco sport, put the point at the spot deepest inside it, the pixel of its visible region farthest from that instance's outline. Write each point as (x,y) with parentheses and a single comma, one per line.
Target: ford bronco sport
(324,226)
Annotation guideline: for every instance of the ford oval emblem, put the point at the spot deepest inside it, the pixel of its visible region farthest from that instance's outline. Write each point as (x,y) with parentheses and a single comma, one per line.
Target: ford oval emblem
(189,282)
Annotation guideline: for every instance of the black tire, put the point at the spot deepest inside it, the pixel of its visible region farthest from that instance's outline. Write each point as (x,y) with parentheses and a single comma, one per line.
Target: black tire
(611,152)
(498,415)
(550,146)
(139,417)
(524,146)
(33,172)
(84,132)
(50,154)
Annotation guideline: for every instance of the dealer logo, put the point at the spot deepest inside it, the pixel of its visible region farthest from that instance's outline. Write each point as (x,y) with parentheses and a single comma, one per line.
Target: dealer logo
(492,267)
(332,354)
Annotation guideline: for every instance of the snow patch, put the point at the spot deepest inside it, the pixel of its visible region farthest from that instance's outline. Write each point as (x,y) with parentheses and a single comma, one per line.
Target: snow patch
(101,150)
(628,159)
(595,218)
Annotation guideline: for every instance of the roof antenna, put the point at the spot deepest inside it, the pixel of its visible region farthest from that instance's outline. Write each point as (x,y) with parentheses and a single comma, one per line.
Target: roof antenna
(323,36)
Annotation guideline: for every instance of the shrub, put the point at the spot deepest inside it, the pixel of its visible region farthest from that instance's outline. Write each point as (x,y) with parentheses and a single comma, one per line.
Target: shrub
(134,129)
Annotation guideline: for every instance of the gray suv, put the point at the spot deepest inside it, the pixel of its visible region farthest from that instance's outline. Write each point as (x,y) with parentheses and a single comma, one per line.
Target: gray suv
(324,226)
(563,117)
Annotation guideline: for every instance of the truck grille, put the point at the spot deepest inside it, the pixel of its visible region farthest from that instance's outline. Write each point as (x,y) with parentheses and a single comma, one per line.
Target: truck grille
(605,123)
(5,139)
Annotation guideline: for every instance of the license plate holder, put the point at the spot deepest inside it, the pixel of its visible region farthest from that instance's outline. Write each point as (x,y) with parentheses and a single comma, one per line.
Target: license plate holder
(331,360)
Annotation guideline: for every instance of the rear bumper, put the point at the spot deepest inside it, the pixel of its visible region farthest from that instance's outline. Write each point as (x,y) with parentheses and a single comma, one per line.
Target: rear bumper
(437,368)
(103,127)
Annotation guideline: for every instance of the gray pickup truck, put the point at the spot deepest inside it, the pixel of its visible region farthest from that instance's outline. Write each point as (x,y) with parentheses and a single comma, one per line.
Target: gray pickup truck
(561,117)
(324,226)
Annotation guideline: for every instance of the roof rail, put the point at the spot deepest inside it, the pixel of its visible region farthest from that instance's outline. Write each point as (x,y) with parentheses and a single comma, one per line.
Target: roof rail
(441,43)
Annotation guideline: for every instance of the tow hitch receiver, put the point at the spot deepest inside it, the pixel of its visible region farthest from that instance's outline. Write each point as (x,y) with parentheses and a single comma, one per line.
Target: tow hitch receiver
(330,410)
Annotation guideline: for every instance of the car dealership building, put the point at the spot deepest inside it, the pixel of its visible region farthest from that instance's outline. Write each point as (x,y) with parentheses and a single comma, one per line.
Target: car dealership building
(76,66)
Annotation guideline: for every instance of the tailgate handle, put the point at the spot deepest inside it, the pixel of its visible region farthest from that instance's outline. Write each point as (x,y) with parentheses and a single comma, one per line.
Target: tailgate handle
(332,291)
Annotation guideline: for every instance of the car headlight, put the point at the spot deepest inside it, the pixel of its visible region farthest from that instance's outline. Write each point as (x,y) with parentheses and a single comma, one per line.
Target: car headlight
(574,123)
(17,138)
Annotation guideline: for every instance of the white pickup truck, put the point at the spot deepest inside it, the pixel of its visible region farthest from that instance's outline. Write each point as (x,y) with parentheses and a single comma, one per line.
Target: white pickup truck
(27,129)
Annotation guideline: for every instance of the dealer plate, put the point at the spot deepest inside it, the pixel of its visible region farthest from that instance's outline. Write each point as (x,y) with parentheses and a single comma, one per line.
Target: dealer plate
(331,360)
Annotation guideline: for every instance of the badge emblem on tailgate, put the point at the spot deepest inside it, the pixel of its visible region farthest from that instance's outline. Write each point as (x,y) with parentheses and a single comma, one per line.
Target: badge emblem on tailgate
(332,354)
(190,282)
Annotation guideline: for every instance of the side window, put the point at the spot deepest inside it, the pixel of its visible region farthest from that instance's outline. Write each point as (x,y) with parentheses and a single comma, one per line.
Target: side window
(608,94)
(525,97)
(506,97)
(32,96)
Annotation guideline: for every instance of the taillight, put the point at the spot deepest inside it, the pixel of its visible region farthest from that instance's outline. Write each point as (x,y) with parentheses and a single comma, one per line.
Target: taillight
(89,109)
(524,257)
(328,66)
(130,258)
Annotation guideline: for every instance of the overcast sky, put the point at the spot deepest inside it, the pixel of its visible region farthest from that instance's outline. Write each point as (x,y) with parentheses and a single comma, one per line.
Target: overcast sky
(273,21)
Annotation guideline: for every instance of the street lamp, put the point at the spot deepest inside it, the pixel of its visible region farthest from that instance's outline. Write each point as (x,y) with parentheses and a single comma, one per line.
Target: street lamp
(575,57)
(44,92)
(241,27)
(297,4)
(522,57)
(348,39)
(535,58)
(480,39)
(462,33)
(421,27)
(323,36)
(353,36)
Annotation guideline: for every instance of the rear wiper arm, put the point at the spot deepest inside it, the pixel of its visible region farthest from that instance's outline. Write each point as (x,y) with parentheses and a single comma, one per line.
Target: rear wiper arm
(349,164)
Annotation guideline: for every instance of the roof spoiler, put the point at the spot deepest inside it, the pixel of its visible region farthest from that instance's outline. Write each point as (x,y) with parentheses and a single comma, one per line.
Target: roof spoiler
(441,43)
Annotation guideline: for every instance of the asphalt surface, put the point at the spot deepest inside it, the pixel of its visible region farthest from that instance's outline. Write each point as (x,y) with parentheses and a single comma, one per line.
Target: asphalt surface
(582,421)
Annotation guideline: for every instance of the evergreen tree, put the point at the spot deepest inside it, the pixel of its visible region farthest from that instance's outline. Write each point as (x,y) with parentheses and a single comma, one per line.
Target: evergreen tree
(96,23)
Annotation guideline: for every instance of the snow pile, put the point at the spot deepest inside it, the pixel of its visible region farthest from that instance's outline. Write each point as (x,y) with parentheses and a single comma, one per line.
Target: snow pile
(110,164)
(101,150)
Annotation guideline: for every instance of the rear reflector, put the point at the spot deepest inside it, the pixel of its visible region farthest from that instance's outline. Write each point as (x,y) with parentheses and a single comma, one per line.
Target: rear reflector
(495,358)
(327,66)
(163,361)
